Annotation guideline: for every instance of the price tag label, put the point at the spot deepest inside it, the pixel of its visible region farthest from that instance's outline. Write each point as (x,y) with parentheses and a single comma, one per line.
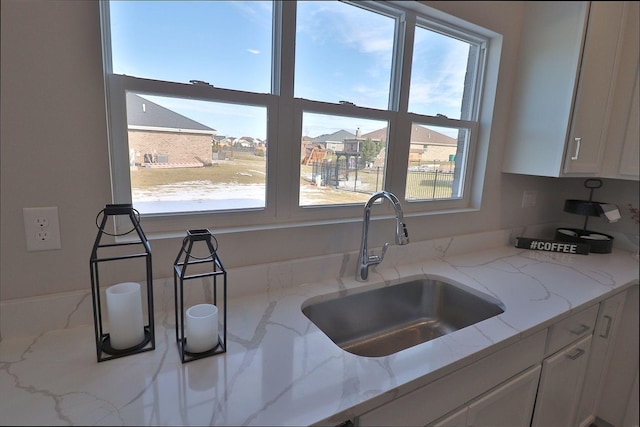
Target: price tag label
(552,246)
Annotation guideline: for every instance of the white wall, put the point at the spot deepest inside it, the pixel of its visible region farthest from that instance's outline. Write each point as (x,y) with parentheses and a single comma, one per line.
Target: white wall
(54,152)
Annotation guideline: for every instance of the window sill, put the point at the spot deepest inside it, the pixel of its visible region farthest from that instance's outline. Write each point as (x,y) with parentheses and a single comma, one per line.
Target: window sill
(175,234)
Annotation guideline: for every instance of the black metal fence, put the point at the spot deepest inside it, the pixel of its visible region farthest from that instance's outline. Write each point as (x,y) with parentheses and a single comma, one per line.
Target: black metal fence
(336,173)
(429,185)
(352,175)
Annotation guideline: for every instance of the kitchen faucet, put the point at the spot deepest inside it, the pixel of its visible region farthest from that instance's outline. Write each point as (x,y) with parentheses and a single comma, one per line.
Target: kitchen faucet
(402,237)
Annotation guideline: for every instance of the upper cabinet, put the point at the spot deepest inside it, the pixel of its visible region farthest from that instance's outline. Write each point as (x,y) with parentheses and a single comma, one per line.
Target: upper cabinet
(566,89)
(622,157)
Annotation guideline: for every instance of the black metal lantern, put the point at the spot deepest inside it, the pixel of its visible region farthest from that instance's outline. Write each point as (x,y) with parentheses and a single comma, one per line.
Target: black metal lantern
(200,335)
(127,333)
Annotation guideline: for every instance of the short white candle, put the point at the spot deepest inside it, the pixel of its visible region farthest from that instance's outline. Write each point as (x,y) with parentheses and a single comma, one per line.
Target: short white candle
(202,328)
(124,307)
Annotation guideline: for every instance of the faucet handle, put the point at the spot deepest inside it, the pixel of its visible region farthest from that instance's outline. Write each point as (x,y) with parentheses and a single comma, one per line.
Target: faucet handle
(377,259)
(384,251)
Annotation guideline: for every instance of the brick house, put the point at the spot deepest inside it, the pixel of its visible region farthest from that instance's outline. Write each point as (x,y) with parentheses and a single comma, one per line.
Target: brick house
(427,145)
(159,137)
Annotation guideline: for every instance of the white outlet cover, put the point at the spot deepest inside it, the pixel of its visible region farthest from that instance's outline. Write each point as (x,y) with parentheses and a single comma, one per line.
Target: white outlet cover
(41,228)
(529,198)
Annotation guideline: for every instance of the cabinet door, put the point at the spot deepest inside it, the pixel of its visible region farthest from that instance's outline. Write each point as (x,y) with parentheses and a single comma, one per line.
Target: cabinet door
(601,349)
(630,158)
(510,405)
(546,81)
(438,398)
(455,419)
(564,90)
(560,386)
(586,142)
(622,156)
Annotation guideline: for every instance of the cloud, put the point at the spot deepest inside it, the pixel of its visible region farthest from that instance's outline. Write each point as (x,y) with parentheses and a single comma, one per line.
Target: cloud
(348,25)
(253,51)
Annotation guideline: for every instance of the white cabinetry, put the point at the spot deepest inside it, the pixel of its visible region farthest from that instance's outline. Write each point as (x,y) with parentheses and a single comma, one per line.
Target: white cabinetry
(508,405)
(567,331)
(616,402)
(560,385)
(622,157)
(563,90)
(601,350)
(564,369)
(457,418)
(422,406)
(569,359)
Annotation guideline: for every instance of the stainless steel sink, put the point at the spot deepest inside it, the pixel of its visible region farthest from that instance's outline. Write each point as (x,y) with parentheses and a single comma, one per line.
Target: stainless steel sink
(383,321)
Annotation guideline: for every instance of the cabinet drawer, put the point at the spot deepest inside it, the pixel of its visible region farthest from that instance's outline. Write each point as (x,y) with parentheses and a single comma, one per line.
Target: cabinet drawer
(571,329)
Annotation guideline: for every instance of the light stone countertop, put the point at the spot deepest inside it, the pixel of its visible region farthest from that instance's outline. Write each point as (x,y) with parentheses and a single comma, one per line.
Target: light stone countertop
(279,368)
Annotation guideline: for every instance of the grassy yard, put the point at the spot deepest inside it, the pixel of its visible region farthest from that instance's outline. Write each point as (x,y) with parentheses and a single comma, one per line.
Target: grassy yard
(247,168)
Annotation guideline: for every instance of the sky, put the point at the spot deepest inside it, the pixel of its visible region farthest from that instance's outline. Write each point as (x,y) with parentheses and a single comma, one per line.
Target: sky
(343,53)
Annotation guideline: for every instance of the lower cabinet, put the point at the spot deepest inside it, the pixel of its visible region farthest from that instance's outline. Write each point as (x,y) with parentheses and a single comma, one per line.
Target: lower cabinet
(561,385)
(552,378)
(423,406)
(508,405)
(602,346)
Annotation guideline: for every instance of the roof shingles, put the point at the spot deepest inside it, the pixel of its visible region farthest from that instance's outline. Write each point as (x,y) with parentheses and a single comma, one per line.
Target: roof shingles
(142,112)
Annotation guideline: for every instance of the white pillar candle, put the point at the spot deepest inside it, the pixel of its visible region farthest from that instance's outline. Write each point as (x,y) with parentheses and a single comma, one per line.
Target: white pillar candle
(124,307)
(202,328)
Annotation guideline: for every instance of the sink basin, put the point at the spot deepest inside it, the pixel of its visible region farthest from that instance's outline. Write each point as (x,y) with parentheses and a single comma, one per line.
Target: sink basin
(383,321)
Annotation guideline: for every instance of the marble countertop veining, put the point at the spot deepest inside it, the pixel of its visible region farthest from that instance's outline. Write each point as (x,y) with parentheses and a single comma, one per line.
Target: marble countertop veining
(279,368)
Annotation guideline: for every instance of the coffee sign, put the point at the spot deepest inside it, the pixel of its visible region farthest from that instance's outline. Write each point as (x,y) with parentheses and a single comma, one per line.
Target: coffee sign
(552,246)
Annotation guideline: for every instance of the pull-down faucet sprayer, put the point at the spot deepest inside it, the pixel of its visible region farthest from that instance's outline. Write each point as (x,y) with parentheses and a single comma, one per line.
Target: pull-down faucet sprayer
(402,237)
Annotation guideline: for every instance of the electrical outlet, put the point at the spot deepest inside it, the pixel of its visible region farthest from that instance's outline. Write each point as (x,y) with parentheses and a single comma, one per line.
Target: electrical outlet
(529,198)
(42,222)
(42,236)
(42,228)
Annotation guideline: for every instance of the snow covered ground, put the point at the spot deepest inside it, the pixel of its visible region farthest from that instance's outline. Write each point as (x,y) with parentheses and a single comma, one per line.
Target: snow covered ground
(206,196)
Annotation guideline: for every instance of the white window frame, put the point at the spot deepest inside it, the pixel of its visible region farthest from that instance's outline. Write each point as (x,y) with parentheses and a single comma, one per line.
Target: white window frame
(284,125)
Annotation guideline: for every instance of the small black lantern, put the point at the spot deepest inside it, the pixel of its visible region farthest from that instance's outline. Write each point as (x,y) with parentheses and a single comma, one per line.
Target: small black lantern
(127,333)
(200,335)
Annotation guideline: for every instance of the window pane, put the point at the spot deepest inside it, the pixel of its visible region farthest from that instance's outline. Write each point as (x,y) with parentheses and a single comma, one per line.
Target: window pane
(224,43)
(343,53)
(436,163)
(438,74)
(188,155)
(343,159)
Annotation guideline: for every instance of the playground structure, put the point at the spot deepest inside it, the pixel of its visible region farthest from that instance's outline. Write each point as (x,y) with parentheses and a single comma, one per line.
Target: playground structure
(314,155)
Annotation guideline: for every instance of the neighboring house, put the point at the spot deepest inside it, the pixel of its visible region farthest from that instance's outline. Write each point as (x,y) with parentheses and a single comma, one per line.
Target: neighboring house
(159,137)
(247,142)
(427,145)
(333,141)
(432,145)
(354,144)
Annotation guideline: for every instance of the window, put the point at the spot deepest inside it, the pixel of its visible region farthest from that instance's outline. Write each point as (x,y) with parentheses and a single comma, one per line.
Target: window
(225,43)
(344,53)
(270,112)
(178,164)
(340,167)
